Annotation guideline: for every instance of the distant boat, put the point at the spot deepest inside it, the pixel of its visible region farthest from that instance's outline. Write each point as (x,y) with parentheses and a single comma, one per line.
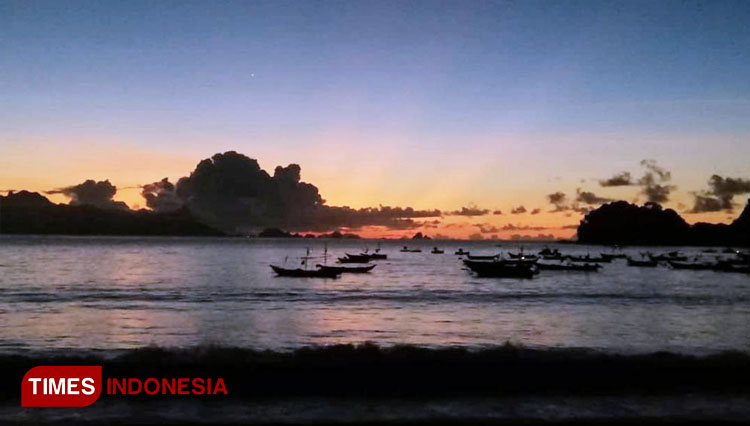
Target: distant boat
(675,256)
(646,263)
(611,256)
(408,250)
(304,273)
(502,269)
(585,267)
(346,269)
(470,257)
(378,254)
(588,258)
(355,258)
(461,252)
(436,250)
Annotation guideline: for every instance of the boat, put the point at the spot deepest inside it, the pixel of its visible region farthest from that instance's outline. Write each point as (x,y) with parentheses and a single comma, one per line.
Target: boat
(346,269)
(304,273)
(549,252)
(522,256)
(673,256)
(694,266)
(408,250)
(355,258)
(557,256)
(612,256)
(585,267)
(436,250)
(589,259)
(470,257)
(501,269)
(646,263)
(461,252)
(378,255)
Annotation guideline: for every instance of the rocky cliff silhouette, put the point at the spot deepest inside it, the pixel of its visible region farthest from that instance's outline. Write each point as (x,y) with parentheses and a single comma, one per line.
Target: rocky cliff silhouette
(27,212)
(624,223)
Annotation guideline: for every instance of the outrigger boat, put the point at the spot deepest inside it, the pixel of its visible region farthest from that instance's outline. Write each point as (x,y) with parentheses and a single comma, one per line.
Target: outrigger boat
(346,269)
(304,273)
(408,250)
(493,257)
(502,269)
(590,259)
(461,252)
(378,254)
(436,250)
(585,267)
(355,258)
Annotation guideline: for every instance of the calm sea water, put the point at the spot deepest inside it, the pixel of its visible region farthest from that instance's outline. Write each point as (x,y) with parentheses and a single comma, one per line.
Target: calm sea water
(127,292)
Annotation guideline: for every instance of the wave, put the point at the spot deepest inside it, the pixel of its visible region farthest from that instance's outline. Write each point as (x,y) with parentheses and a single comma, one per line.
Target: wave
(409,371)
(406,297)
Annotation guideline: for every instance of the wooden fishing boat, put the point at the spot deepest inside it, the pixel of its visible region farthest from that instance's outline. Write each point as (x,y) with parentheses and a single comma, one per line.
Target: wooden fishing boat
(501,269)
(461,252)
(355,258)
(304,273)
(346,269)
(436,250)
(493,257)
(584,267)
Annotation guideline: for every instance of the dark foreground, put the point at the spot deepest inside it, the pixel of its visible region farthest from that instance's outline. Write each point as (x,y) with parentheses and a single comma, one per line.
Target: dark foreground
(370,385)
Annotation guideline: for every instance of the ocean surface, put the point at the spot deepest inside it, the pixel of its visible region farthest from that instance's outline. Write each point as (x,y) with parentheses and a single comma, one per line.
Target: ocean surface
(115,293)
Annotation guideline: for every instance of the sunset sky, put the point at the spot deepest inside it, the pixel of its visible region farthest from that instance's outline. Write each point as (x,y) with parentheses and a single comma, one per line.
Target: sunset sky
(433,105)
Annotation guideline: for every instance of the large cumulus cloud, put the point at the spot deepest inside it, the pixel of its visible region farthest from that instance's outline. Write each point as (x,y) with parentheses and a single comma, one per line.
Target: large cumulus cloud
(232,191)
(92,193)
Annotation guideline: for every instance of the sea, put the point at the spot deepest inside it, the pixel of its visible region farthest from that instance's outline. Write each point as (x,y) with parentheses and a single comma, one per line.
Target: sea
(59,293)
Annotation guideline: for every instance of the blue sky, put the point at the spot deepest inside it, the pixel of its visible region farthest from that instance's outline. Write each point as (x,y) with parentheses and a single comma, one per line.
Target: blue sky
(539,89)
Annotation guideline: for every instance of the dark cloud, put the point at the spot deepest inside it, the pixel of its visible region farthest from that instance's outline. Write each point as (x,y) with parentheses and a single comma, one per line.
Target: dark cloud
(720,195)
(536,211)
(469,211)
(518,210)
(586,197)
(511,227)
(92,193)
(538,237)
(232,192)
(559,200)
(653,182)
(497,212)
(161,196)
(620,179)
(485,228)
(705,204)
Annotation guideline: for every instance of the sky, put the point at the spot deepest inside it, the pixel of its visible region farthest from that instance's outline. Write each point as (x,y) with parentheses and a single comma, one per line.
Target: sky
(428,104)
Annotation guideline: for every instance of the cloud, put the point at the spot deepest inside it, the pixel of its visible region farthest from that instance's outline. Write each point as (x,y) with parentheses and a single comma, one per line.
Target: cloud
(590,198)
(536,211)
(232,192)
(469,211)
(485,228)
(518,210)
(161,196)
(511,227)
(559,200)
(720,195)
(497,212)
(620,179)
(92,193)
(652,182)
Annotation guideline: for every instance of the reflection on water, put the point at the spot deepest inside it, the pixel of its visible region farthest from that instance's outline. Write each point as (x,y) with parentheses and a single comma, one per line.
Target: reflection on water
(96,292)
